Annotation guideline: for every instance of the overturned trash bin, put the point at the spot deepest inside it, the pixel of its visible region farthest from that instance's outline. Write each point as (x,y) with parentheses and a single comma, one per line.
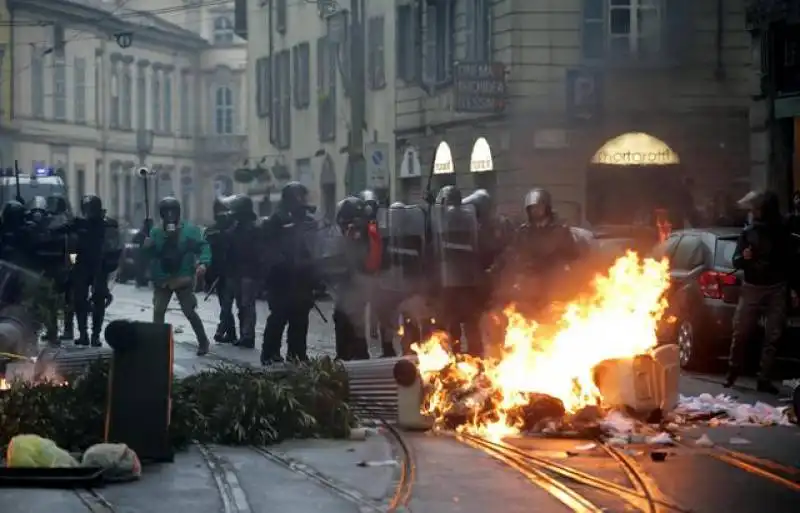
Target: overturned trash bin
(645,385)
(63,362)
(388,389)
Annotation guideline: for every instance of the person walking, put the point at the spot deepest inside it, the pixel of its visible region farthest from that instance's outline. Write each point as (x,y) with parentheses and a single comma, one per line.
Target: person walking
(764,252)
(178,254)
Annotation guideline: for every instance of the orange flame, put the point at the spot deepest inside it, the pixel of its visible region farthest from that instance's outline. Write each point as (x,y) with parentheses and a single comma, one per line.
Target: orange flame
(617,320)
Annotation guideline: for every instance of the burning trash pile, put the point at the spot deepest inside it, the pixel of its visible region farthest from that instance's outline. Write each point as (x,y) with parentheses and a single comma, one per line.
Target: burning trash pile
(546,376)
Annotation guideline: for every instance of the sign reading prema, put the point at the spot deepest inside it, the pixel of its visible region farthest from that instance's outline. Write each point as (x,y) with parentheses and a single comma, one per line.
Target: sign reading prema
(480,87)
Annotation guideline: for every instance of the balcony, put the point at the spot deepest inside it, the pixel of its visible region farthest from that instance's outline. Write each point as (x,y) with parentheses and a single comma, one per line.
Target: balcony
(760,13)
(223,145)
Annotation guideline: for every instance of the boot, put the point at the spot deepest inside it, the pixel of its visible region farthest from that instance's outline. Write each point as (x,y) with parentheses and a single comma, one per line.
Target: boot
(82,340)
(245,343)
(219,335)
(730,378)
(69,333)
(765,386)
(96,340)
(229,337)
(270,360)
(202,349)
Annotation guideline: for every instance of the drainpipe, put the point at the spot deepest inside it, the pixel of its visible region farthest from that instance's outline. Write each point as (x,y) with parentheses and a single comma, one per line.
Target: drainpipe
(719,70)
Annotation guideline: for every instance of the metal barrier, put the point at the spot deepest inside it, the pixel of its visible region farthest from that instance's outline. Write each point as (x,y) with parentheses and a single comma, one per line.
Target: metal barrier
(388,389)
(70,360)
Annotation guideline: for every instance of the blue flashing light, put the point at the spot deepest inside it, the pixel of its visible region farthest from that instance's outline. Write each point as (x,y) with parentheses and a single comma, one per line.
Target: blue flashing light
(42,172)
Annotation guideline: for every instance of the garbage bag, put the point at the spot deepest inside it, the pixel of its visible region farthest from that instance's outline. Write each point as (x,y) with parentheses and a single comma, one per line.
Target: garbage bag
(33,451)
(118,461)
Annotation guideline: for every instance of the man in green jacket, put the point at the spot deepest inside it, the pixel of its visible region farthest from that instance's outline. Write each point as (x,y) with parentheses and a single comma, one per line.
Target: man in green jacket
(178,254)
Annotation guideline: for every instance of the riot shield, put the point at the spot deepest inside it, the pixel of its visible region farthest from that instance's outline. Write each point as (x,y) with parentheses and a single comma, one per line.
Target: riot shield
(328,253)
(403,233)
(454,230)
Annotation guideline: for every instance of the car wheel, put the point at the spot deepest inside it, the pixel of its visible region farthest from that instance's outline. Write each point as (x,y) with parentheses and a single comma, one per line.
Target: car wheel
(686,340)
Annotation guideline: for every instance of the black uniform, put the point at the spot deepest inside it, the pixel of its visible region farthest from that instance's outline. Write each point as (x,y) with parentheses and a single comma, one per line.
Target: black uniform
(542,248)
(765,251)
(351,292)
(290,277)
(97,249)
(243,271)
(219,240)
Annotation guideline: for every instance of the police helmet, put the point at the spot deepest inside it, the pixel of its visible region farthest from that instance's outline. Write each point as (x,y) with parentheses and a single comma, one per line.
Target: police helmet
(13,214)
(294,195)
(449,195)
(482,201)
(765,202)
(241,206)
(220,206)
(349,210)
(91,206)
(169,208)
(57,204)
(371,203)
(539,196)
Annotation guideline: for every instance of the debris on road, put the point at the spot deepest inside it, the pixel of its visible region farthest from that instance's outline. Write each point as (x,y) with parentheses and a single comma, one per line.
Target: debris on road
(704,441)
(724,410)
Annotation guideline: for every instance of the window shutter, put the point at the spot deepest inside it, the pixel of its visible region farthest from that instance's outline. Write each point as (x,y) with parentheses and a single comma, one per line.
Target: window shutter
(429,49)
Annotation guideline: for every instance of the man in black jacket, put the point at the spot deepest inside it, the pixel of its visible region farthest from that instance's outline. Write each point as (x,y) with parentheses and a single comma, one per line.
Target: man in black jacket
(764,252)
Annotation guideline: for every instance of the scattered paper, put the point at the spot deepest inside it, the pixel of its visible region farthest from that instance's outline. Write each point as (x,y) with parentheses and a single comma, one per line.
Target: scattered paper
(724,410)
(704,441)
(177,330)
(660,439)
(386,463)
(738,441)
(618,423)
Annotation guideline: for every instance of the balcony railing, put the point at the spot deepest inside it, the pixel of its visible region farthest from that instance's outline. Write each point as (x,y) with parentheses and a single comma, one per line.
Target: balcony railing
(223,144)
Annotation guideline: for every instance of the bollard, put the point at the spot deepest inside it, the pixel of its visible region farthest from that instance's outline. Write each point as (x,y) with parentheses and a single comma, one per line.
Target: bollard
(388,389)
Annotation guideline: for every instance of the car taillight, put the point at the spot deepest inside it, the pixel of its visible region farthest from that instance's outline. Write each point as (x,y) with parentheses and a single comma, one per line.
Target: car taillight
(711,283)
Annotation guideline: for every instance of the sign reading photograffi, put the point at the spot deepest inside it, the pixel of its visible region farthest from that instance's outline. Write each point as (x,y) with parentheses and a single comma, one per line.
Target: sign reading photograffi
(443,160)
(481,159)
(480,87)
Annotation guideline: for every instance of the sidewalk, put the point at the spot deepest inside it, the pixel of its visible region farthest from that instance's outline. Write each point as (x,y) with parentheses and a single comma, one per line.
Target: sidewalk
(239,480)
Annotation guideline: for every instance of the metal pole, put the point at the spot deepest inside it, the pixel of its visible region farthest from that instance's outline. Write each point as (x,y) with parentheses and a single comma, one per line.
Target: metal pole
(357,165)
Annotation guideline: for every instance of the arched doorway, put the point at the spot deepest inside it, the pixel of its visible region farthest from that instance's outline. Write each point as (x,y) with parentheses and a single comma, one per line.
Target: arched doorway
(633,180)
(481,165)
(327,186)
(444,171)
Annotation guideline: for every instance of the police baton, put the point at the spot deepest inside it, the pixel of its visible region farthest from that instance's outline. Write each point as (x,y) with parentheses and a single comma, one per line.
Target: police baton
(211,289)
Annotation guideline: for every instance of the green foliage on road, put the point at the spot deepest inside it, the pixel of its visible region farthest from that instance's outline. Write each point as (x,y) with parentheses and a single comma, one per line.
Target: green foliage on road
(229,405)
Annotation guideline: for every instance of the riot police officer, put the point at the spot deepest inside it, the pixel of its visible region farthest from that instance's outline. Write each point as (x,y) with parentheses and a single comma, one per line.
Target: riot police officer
(243,270)
(97,251)
(542,248)
(291,277)
(218,238)
(351,293)
(454,227)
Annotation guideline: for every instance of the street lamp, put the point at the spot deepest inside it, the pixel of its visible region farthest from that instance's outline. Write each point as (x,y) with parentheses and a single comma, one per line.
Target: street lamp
(144,145)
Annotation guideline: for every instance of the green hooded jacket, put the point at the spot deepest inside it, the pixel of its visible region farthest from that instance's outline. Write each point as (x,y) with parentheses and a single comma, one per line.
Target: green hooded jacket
(192,249)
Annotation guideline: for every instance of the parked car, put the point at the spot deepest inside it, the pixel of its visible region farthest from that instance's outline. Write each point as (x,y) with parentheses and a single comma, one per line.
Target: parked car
(703,296)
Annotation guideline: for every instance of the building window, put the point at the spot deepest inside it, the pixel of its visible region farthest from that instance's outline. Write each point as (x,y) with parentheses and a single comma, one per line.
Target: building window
(326,89)
(376,67)
(621,29)
(168,103)
(141,99)
(37,84)
(263,87)
(98,89)
(302,75)
(114,121)
(59,88)
(408,55)
(479,30)
(223,30)
(127,97)
(80,90)
(223,121)
(98,173)
(281,125)
(280,16)
(185,99)
(115,210)
(156,93)
(129,193)
(439,42)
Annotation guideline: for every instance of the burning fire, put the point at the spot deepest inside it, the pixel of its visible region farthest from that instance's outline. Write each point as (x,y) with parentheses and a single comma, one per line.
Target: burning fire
(618,319)
(4,384)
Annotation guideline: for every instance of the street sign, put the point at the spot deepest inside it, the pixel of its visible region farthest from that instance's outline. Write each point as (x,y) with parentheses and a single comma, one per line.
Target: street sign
(410,167)
(480,87)
(377,165)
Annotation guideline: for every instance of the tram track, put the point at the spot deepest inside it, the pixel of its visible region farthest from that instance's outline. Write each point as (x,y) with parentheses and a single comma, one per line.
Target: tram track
(643,495)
